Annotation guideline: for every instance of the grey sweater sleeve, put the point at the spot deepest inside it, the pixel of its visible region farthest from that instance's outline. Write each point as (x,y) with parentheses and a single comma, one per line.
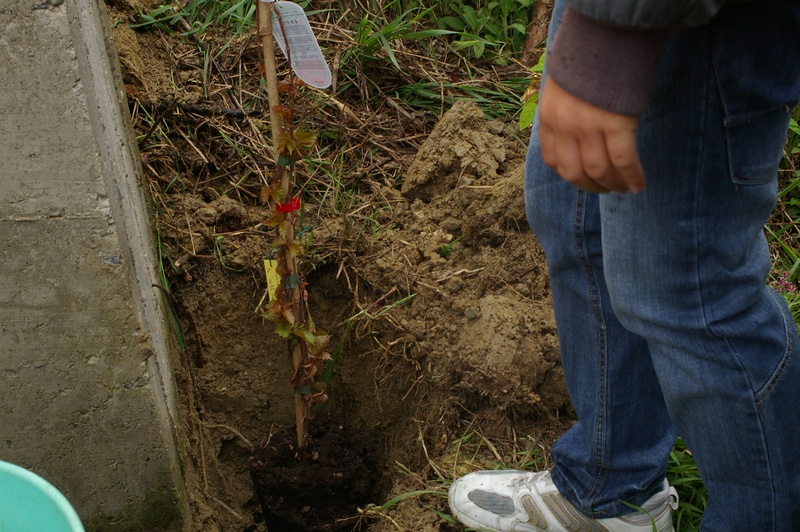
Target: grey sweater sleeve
(649,14)
(607,52)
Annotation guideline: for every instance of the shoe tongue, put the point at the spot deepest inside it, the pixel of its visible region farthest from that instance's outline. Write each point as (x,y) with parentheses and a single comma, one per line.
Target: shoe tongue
(541,476)
(527,481)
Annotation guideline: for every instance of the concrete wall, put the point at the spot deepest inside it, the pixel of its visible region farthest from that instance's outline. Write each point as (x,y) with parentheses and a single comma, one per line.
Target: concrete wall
(87,398)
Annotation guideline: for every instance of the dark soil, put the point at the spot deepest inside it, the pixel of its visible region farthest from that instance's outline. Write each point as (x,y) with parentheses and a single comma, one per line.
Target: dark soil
(320,489)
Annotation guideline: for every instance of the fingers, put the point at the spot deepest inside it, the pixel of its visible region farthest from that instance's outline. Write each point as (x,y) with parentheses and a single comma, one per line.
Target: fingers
(584,164)
(589,147)
(624,159)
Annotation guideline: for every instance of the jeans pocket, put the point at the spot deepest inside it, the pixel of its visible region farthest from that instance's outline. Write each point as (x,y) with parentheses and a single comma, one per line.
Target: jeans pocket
(755,146)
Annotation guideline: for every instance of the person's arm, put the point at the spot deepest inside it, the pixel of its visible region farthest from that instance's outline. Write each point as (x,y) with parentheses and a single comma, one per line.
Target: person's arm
(601,70)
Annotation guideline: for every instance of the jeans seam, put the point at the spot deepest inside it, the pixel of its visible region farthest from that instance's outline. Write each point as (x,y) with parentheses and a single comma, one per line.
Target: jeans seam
(716,85)
(595,300)
(761,395)
(712,84)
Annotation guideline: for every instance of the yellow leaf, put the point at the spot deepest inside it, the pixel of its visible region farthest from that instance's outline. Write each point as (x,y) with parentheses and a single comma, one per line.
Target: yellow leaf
(295,247)
(305,140)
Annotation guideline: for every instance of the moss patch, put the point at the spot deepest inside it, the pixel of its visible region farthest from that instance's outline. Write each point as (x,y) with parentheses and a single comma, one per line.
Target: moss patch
(158,511)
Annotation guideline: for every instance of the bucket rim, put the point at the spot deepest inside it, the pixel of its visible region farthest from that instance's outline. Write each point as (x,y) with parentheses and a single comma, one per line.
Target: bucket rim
(58,498)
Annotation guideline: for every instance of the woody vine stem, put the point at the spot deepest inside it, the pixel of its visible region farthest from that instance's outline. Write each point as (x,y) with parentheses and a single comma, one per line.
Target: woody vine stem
(287,307)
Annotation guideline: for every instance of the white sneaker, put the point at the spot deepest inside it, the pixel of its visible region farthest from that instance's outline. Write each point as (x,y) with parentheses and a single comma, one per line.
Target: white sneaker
(519,501)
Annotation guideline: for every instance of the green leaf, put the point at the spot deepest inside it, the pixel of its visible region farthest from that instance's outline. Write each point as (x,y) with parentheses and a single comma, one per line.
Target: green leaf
(528,112)
(471,18)
(285,160)
(520,28)
(388,48)
(283,328)
(304,334)
(427,33)
(539,66)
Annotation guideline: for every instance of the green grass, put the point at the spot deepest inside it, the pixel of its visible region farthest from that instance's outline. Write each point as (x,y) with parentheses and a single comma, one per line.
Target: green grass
(682,473)
(198,15)
(495,27)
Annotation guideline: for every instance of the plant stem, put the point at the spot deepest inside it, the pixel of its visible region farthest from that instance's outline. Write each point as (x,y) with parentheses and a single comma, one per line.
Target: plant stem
(298,353)
(270,70)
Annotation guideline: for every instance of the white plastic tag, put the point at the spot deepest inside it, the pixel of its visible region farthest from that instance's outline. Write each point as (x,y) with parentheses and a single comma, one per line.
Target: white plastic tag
(307,60)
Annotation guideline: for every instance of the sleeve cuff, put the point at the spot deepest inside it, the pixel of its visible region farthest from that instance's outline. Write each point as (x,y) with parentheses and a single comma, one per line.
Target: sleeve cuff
(612,67)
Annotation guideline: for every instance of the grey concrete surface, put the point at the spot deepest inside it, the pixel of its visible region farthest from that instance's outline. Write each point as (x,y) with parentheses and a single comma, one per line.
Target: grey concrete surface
(87,398)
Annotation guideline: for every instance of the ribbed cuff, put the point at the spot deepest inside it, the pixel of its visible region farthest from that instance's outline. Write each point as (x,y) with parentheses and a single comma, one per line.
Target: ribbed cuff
(608,66)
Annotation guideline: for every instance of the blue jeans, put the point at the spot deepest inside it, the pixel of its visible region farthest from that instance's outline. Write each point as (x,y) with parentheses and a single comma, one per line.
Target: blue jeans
(664,319)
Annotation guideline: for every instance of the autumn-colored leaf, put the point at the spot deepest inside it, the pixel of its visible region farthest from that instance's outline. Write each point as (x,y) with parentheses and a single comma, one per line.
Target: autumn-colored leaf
(275,220)
(304,334)
(276,309)
(285,145)
(263,195)
(295,247)
(304,140)
(289,316)
(273,193)
(322,339)
(285,228)
(318,345)
(310,371)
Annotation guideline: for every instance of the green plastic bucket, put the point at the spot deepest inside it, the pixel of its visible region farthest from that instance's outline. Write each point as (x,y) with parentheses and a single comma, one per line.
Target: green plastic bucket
(28,503)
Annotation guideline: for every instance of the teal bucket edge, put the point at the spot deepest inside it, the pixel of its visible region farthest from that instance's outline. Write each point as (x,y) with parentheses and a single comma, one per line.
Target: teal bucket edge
(37,503)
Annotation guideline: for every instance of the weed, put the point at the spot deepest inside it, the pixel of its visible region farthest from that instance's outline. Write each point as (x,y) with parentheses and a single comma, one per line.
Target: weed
(683,475)
(499,25)
(530,98)
(221,254)
(371,37)
(642,510)
(198,15)
(447,249)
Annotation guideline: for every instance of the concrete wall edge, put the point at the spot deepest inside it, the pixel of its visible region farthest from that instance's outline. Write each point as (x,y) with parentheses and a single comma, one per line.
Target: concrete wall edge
(108,114)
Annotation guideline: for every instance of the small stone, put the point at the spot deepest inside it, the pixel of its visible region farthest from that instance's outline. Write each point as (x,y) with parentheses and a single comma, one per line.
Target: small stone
(472,312)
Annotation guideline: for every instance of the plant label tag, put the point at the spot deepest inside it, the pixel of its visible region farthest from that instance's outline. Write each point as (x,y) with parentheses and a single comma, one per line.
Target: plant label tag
(273,278)
(306,56)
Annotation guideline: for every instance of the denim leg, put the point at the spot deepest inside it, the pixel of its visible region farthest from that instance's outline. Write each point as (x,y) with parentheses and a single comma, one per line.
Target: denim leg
(618,448)
(686,261)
